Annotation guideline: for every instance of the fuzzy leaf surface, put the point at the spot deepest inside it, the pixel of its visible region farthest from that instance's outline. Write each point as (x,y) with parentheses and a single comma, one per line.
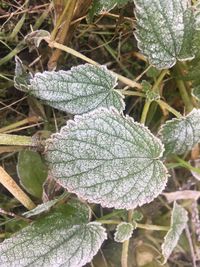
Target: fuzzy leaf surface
(105,5)
(180,135)
(196,92)
(165,31)
(107,158)
(178,223)
(54,241)
(123,232)
(79,90)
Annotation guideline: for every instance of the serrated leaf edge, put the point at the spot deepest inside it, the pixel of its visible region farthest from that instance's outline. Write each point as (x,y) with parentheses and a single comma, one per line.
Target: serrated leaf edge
(171,224)
(138,7)
(117,228)
(79,118)
(69,72)
(195,110)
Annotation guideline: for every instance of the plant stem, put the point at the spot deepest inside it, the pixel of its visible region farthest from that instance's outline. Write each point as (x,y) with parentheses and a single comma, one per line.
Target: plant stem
(182,89)
(7,181)
(145,111)
(155,87)
(186,165)
(169,108)
(125,246)
(152,227)
(33,119)
(73,52)
(17,140)
(130,93)
(108,221)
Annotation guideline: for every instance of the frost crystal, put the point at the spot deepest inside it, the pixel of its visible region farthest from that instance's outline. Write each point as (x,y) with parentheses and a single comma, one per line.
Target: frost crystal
(78,91)
(109,159)
(180,135)
(165,30)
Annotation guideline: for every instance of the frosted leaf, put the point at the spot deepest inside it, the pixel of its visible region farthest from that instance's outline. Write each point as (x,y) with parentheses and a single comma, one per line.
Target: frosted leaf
(165,31)
(123,232)
(180,135)
(79,90)
(40,208)
(99,6)
(196,92)
(53,241)
(22,76)
(107,158)
(178,223)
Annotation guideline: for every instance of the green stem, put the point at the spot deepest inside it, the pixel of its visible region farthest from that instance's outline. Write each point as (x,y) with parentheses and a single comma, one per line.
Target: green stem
(17,140)
(186,165)
(182,89)
(131,93)
(169,108)
(155,87)
(145,111)
(152,227)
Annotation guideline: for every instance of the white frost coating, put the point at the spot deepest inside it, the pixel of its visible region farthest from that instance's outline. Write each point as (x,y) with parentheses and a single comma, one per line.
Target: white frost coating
(165,31)
(107,158)
(40,208)
(106,5)
(180,135)
(123,232)
(178,223)
(196,92)
(70,247)
(79,90)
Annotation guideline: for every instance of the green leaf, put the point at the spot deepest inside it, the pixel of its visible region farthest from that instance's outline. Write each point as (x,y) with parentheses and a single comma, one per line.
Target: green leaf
(196,92)
(107,158)
(78,91)
(178,223)
(54,241)
(99,6)
(165,31)
(123,232)
(180,135)
(32,172)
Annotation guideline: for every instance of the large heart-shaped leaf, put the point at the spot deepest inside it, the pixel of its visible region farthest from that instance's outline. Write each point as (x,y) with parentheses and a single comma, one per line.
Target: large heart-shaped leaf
(180,135)
(54,241)
(165,30)
(79,90)
(109,159)
(178,223)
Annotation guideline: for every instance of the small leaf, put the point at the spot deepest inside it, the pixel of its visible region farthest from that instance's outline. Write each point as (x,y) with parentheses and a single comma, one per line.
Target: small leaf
(78,91)
(178,223)
(123,232)
(107,158)
(196,92)
(22,76)
(165,31)
(54,241)
(180,135)
(32,172)
(99,6)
